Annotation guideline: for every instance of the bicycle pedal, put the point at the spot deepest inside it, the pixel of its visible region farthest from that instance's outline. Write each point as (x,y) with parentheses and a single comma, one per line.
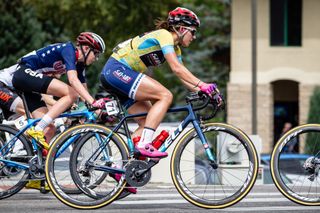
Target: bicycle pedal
(44,191)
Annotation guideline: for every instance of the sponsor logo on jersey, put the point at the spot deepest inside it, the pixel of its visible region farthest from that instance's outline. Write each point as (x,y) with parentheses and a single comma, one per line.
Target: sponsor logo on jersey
(33,73)
(155,59)
(5,96)
(123,77)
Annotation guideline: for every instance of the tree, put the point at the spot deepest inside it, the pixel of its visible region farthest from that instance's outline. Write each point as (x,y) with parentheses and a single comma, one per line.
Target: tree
(114,20)
(21,32)
(208,57)
(313,117)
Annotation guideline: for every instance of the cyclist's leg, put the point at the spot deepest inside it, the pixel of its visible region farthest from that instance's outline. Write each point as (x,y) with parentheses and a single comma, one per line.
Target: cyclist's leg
(67,97)
(131,84)
(150,89)
(27,81)
(48,131)
(139,107)
(9,100)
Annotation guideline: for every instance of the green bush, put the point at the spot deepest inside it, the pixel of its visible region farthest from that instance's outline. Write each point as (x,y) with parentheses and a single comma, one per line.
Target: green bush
(313,117)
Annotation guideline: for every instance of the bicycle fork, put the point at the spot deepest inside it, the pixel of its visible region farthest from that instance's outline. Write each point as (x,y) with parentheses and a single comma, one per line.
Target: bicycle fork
(206,146)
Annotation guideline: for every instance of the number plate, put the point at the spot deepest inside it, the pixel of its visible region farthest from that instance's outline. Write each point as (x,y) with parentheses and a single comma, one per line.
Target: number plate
(112,108)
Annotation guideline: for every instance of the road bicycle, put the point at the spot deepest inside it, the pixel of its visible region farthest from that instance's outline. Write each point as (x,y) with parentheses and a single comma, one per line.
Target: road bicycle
(232,173)
(21,157)
(298,179)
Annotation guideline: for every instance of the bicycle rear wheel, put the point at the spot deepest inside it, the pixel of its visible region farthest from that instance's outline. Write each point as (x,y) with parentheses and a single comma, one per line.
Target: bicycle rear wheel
(296,175)
(197,179)
(12,177)
(58,181)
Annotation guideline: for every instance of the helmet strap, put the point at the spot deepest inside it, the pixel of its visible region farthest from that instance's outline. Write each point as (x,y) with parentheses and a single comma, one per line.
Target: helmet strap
(179,34)
(85,55)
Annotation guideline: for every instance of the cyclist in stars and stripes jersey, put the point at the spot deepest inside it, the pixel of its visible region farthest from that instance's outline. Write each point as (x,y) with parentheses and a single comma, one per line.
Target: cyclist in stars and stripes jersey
(36,73)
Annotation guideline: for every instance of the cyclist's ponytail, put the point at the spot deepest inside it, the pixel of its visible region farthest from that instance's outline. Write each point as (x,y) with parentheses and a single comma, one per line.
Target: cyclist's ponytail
(163,24)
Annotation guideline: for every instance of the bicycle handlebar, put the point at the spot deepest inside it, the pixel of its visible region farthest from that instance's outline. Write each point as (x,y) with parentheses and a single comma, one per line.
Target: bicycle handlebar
(201,96)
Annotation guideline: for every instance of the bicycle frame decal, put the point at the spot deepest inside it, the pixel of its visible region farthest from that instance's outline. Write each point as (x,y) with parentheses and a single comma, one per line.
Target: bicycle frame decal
(172,137)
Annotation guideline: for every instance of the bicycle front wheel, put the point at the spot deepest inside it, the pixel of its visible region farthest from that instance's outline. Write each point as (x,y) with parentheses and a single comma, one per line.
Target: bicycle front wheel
(296,175)
(59,175)
(12,153)
(220,184)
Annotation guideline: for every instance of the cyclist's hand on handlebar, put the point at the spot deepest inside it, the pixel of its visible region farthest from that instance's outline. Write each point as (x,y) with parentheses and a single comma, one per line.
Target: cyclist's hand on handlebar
(208,88)
(213,91)
(218,98)
(74,106)
(100,103)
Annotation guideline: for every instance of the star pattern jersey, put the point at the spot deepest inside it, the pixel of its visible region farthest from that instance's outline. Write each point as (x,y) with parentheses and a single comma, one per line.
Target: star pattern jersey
(54,59)
(146,50)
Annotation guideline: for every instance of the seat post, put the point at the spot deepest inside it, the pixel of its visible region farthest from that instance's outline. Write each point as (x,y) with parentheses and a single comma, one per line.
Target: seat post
(24,101)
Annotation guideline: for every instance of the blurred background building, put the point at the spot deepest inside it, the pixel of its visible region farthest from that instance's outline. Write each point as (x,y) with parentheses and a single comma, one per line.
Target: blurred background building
(288,65)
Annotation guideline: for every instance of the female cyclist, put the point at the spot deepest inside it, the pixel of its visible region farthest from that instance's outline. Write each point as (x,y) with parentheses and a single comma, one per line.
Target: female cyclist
(123,72)
(35,75)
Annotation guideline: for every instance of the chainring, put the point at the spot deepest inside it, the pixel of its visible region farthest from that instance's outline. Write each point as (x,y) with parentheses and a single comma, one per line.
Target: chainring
(36,170)
(136,175)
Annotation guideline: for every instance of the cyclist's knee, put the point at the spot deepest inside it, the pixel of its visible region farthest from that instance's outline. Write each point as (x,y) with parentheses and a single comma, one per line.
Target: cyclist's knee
(73,95)
(166,96)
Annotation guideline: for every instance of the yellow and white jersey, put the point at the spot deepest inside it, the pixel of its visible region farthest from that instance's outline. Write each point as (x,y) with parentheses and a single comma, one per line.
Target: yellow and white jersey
(146,50)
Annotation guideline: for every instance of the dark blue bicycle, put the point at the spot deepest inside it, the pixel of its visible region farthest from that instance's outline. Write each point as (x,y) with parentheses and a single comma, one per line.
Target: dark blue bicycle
(223,152)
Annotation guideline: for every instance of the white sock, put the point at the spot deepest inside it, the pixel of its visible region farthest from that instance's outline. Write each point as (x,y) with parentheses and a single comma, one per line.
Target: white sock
(146,137)
(43,123)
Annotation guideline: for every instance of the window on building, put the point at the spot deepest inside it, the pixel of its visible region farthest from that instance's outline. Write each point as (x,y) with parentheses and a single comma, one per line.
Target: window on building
(285,22)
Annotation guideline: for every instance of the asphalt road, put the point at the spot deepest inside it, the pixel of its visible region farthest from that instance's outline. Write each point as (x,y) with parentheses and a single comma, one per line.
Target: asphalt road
(156,198)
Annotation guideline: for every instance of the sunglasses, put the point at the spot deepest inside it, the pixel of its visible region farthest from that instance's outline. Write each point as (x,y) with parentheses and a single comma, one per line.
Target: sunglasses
(96,53)
(191,30)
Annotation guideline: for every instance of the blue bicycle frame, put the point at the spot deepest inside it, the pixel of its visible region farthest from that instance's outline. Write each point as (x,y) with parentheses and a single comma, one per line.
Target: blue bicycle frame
(89,115)
(190,118)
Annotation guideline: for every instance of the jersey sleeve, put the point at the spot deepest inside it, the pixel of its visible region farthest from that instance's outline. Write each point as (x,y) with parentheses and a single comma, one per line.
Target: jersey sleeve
(81,73)
(69,56)
(165,40)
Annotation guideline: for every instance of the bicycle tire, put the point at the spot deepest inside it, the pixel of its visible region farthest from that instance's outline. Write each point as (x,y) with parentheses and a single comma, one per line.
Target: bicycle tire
(76,176)
(83,201)
(74,165)
(190,185)
(72,188)
(296,186)
(4,171)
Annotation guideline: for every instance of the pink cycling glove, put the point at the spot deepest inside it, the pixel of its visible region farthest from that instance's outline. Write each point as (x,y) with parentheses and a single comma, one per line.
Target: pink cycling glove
(100,103)
(208,88)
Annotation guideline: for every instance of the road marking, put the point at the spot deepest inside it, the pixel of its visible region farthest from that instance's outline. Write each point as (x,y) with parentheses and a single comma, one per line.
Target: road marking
(271,208)
(172,201)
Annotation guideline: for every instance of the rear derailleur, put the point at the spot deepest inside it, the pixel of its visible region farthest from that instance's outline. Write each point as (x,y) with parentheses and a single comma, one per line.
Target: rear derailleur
(312,166)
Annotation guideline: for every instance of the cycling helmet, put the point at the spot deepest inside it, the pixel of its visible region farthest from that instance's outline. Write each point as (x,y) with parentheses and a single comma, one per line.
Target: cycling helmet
(183,16)
(91,39)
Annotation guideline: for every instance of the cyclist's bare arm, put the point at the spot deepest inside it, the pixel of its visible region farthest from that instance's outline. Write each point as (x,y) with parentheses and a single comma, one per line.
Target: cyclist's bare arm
(191,87)
(78,86)
(181,71)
